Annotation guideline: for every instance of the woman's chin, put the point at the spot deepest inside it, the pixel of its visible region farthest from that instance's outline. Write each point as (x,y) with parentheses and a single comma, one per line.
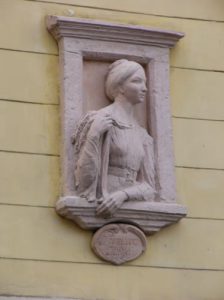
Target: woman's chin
(137,101)
(140,100)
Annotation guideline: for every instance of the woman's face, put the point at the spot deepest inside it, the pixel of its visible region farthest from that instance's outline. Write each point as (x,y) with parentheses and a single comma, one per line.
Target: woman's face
(134,88)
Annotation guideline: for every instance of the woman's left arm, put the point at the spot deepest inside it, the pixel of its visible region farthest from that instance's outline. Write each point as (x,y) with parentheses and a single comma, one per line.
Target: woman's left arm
(144,190)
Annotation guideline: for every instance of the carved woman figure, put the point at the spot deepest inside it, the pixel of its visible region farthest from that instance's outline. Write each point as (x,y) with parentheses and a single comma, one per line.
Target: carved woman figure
(114,154)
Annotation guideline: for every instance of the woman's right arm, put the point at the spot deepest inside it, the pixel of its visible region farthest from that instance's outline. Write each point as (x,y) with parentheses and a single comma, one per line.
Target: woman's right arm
(89,158)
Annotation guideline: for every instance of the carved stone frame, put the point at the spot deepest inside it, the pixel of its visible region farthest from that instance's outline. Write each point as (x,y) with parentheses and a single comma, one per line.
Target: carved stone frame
(79,40)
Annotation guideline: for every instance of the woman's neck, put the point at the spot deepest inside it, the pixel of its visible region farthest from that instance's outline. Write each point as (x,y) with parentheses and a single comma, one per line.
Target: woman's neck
(124,110)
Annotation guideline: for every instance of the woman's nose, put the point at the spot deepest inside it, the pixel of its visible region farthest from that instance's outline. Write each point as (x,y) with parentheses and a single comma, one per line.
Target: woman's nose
(144,88)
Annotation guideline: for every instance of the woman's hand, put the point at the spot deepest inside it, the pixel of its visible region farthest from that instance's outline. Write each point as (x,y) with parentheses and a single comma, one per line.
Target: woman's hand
(107,207)
(100,125)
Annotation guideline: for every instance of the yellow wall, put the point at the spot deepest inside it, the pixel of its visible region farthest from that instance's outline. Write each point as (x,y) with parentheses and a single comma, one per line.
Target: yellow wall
(44,255)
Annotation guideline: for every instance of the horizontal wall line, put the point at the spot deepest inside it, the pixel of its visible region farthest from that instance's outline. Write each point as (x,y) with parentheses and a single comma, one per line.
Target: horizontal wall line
(11,296)
(53,207)
(106,264)
(197,69)
(28,51)
(50,54)
(130,12)
(57,104)
(57,155)
(198,119)
(199,168)
(28,102)
(205,218)
(27,205)
(29,153)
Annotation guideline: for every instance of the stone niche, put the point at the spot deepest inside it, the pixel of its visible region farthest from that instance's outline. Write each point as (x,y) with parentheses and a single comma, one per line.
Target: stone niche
(86,49)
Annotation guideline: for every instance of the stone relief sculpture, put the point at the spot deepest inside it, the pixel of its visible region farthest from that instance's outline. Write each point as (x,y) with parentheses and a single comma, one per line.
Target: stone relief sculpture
(114,155)
(115,177)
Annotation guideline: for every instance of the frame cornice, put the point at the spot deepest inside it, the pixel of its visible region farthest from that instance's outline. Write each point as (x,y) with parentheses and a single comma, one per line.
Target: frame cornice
(62,27)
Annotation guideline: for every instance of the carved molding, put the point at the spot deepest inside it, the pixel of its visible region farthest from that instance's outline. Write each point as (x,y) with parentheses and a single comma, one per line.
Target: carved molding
(62,27)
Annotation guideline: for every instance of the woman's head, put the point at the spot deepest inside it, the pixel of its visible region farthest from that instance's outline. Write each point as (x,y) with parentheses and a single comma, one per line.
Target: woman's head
(119,72)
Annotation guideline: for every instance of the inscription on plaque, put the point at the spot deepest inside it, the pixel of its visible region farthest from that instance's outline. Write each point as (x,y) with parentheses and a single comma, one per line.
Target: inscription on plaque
(119,243)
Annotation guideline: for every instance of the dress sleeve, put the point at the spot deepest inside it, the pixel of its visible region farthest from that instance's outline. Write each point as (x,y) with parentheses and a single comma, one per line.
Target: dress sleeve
(87,162)
(144,189)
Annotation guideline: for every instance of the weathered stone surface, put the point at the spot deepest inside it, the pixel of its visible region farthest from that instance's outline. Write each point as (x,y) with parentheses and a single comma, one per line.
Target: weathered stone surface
(119,243)
(149,47)
(107,184)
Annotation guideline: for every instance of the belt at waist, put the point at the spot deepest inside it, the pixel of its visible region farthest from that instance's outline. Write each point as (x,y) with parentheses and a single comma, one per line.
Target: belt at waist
(128,174)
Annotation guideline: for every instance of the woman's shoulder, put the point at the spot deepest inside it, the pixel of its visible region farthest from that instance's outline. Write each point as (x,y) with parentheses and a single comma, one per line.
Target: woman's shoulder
(91,115)
(107,110)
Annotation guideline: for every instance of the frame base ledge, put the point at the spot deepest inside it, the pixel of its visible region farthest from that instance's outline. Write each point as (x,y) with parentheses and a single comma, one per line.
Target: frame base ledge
(150,217)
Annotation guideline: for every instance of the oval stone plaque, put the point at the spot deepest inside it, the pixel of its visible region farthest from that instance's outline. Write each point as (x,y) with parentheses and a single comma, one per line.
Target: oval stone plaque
(118,243)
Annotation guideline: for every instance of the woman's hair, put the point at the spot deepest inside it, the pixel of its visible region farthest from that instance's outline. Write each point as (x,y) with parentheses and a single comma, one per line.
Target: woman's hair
(119,71)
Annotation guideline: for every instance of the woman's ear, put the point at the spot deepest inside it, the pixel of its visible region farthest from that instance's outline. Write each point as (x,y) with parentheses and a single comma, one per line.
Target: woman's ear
(121,89)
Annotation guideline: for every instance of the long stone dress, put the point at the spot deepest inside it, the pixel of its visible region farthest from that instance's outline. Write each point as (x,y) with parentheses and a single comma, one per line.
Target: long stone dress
(120,160)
